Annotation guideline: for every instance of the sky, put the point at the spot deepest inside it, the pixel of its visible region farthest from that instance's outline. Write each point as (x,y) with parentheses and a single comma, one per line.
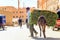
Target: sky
(23,3)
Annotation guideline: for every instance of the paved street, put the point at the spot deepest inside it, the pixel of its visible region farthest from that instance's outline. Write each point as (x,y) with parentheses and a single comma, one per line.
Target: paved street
(17,33)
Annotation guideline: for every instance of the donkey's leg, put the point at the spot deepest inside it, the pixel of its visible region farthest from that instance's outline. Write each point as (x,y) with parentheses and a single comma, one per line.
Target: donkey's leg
(40,30)
(44,31)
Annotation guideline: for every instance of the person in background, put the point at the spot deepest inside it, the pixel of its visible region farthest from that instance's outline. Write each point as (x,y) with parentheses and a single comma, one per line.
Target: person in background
(20,22)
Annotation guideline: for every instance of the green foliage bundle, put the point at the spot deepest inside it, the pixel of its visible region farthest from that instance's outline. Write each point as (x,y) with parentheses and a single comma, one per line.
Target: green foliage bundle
(51,17)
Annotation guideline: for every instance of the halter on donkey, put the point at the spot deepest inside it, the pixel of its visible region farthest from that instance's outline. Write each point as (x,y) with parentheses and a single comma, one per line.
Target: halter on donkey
(42,24)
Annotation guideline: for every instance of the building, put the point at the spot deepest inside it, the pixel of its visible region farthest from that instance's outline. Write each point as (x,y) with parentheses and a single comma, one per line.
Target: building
(11,12)
(47,4)
(41,4)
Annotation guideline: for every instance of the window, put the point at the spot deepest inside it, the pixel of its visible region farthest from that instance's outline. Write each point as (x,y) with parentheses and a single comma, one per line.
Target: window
(22,16)
(16,12)
(16,16)
(13,12)
(5,9)
(21,11)
(13,16)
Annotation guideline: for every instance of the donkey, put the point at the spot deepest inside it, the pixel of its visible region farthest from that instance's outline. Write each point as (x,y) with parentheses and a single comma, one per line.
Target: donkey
(42,24)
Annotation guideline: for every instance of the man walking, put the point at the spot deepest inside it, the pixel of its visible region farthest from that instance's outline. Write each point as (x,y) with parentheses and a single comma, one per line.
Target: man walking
(31,27)
(28,16)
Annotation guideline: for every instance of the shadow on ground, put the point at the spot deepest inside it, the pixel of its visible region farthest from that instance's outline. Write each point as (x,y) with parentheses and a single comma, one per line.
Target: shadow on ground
(48,38)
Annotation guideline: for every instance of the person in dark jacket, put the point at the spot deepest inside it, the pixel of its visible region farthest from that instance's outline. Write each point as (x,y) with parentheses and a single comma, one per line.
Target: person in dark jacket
(20,22)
